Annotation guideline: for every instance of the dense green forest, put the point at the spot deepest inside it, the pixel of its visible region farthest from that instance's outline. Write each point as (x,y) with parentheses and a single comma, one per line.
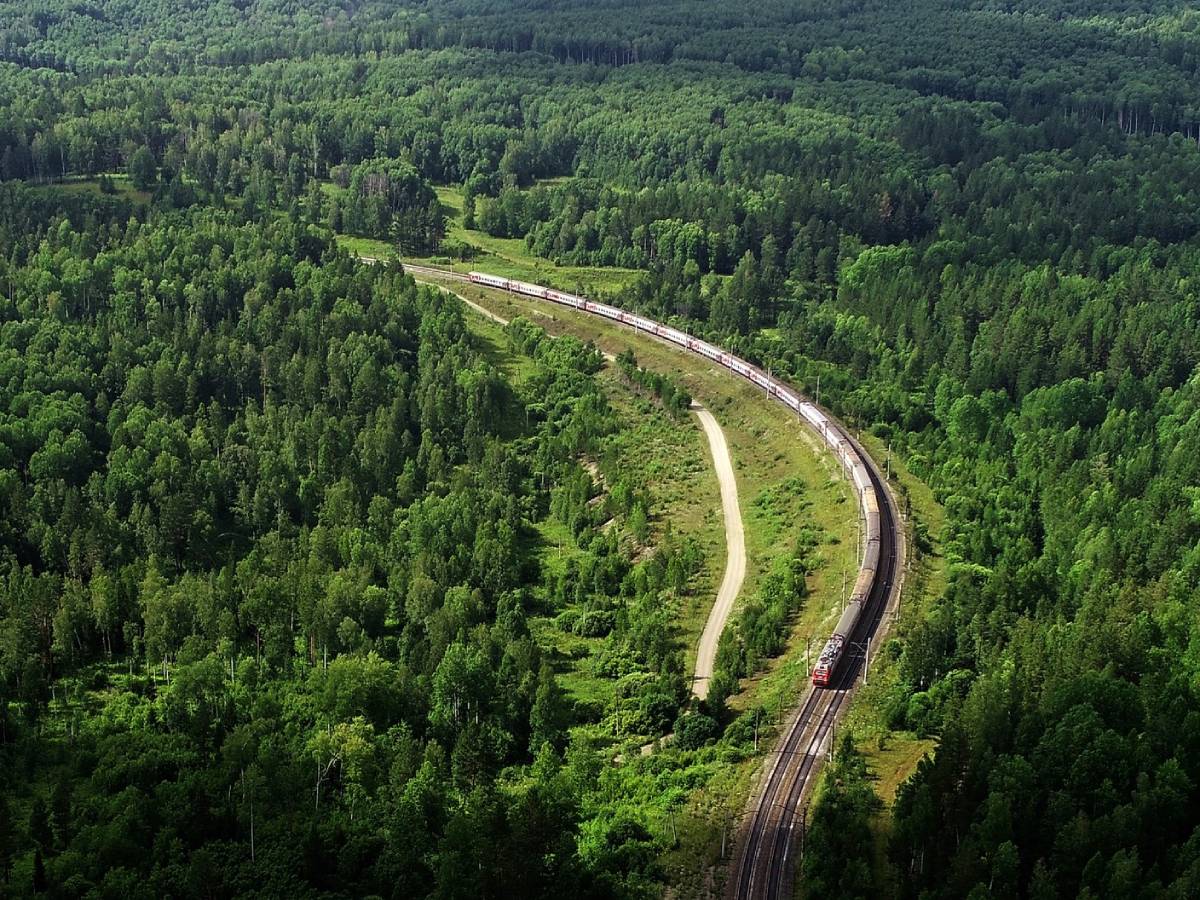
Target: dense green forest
(269,564)
(280,510)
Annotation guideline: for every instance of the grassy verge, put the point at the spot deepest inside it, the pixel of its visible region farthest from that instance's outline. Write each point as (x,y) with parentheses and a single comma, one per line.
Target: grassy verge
(669,457)
(509,257)
(364,246)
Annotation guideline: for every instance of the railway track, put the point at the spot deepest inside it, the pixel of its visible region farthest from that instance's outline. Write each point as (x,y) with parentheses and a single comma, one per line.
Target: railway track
(764,869)
(765,862)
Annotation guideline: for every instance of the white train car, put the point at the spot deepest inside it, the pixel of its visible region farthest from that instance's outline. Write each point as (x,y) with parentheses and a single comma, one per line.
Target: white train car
(565,299)
(529,290)
(490,280)
(674,336)
(790,400)
(601,309)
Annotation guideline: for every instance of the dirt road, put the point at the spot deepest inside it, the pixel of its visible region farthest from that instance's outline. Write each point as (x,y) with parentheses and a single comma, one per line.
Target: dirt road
(735,552)
(735,537)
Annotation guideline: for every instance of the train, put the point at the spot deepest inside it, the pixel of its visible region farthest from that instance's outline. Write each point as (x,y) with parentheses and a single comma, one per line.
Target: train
(831,432)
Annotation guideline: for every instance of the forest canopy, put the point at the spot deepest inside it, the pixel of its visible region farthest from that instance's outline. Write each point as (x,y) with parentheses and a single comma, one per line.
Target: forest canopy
(269,513)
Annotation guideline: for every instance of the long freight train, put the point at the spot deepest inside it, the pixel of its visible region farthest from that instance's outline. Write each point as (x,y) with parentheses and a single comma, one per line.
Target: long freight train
(832,433)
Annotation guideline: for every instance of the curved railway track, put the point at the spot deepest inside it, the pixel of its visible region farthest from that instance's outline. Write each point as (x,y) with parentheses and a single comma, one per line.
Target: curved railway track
(764,866)
(764,863)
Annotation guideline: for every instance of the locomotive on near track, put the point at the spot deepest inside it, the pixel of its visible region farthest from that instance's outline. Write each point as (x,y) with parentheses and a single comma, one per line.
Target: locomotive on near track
(831,432)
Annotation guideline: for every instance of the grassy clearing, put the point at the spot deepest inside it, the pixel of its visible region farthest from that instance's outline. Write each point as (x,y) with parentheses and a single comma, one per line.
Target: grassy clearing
(491,340)
(510,258)
(363,246)
(122,187)
(669,457)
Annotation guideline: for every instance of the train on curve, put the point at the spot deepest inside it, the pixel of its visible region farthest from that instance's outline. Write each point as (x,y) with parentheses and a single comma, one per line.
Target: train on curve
(829,430)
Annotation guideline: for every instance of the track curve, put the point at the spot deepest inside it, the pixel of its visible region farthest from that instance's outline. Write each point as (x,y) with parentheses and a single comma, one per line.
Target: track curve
(764,862)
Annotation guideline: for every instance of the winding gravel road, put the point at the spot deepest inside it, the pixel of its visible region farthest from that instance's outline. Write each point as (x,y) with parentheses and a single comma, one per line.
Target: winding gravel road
(735,533)
(735,552)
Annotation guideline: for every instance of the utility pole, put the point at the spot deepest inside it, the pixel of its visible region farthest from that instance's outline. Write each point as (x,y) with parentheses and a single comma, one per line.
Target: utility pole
(818,389)
(889,461)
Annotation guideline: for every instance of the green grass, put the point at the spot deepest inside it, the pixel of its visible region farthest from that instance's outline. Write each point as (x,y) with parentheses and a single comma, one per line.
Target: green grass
(123,187)
(493,343)
(510,258)
(669,458)
(362,246)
